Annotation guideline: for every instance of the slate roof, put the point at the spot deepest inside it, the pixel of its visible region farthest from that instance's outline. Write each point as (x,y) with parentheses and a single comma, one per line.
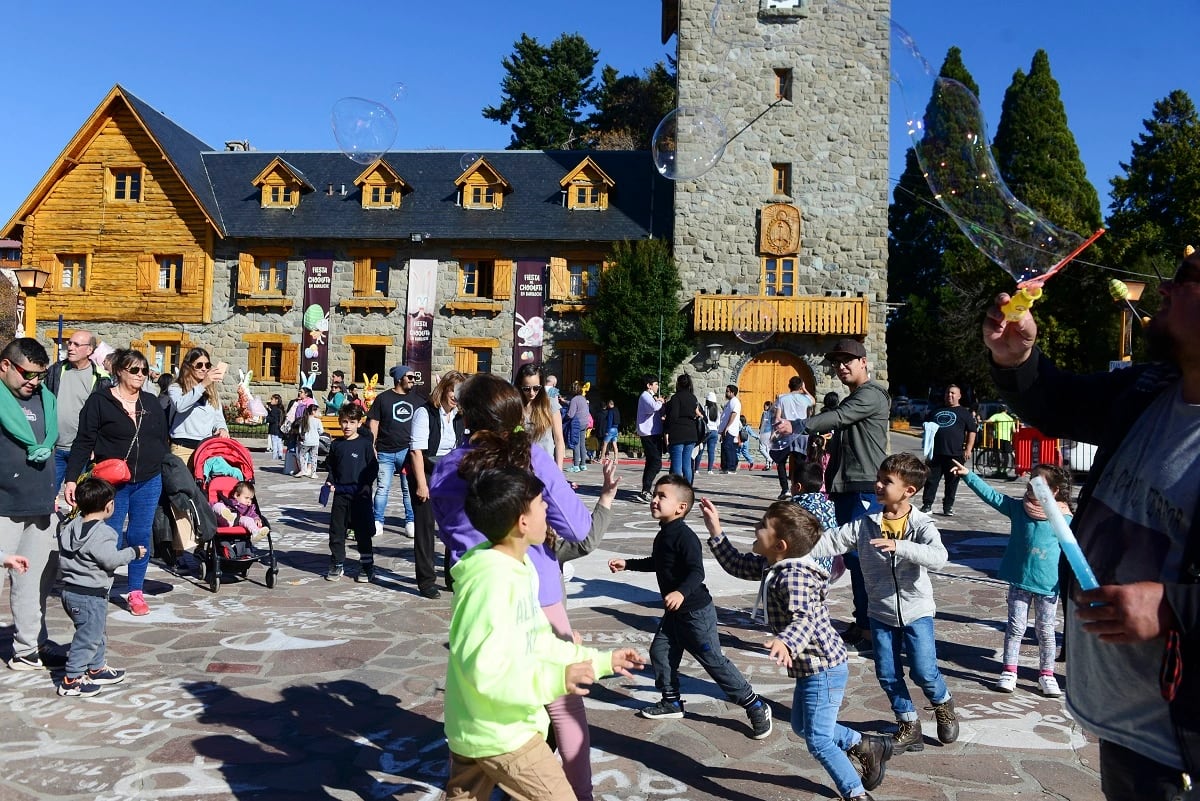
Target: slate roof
(640,204)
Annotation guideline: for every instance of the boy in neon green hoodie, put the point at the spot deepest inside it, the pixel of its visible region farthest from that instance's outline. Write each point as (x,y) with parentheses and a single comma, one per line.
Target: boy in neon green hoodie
(506,663)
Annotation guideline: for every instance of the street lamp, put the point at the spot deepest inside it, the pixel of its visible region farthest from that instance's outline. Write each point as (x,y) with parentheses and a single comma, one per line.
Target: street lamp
(31,280)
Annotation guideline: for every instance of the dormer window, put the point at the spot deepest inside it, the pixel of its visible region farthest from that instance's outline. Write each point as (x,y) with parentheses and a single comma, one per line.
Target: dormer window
(481,186)
(586,187)
(281,185)
(125,183)
(381,186)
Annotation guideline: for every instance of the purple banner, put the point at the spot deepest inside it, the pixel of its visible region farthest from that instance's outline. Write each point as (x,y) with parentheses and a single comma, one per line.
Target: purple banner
(528,324)
(314,364)
(418,336)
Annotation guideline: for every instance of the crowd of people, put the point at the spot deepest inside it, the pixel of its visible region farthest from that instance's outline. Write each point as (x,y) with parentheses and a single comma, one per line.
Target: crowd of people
(482,465)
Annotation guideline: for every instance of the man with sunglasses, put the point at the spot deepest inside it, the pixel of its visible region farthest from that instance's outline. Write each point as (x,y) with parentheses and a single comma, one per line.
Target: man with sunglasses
(71,380)
(1133,644)
(860,425)
(29,421)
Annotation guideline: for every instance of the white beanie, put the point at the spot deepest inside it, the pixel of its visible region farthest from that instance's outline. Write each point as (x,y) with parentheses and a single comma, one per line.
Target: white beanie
(711,397)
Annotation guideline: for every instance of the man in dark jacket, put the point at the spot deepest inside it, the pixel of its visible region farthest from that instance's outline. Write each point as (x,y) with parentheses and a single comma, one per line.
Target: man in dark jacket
(1133,644)
(28,430)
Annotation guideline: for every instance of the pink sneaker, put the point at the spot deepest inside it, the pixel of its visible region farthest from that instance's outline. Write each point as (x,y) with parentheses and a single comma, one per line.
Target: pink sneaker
(137,604)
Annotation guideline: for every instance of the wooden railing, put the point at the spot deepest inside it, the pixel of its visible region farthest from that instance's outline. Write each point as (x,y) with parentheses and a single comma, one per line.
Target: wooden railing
(784,315)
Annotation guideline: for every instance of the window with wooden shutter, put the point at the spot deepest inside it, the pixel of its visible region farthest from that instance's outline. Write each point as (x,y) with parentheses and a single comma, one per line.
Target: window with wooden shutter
(193,273)
(146,278)
(364,276)
(502,279)
(289,363)
(560,282)
(273,357)
(247,277)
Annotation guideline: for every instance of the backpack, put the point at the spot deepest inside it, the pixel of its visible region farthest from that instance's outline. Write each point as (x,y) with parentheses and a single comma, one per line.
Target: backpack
(744,435)
(714,412)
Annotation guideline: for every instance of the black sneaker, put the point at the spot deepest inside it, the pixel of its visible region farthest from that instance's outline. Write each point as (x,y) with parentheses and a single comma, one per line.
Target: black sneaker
(105,675)
(366,575)
(760,719)
(663,709)
(335,572)
(870,757)
(908,738)
(27,662)
(947,721)
(927,509)
(948,512)
(430,592)
(78,687)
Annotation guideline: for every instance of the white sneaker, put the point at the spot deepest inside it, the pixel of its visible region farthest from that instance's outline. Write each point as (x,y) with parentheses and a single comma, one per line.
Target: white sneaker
(410,529)
(1049,686)
(1007,682)
(568,571)
(378,528)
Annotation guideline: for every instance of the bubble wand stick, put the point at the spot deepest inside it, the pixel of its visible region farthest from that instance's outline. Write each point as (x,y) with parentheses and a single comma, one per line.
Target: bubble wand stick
(1031,290)
(1066,538)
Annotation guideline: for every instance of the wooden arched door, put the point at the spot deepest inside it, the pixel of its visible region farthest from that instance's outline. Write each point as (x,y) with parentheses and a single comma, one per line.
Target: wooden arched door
(766,377)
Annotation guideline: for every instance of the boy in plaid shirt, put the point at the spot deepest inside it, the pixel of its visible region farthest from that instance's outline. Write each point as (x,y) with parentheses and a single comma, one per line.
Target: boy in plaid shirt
(793,586)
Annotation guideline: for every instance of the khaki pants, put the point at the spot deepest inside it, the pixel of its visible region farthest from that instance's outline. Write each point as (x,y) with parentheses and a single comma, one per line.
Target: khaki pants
(531,773)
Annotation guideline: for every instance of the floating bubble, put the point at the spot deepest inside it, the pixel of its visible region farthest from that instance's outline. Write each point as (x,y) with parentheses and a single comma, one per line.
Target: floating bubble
(467,160)
(688,143)
(949,135)
(752,322)
(364,129)
(399,91)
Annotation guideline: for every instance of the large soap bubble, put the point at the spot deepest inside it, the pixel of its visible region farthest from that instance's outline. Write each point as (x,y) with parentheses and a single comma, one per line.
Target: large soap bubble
(688,142)
(364,129)
(949,139)
(753,322)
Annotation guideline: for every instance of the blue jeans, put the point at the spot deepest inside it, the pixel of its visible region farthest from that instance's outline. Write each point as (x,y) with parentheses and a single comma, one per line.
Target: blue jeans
(918,641)
(815,706)
(848,507)
(696,633)
(681,460)
(60,466)
(137,500)
(89,613)
(729,458)
(389,465)
(578,444)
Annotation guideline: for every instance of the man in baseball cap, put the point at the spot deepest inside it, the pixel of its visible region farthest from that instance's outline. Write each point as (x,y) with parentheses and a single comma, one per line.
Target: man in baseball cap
(847,347)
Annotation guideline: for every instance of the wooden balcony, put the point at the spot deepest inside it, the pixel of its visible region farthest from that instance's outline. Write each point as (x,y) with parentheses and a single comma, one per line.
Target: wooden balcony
(784,315)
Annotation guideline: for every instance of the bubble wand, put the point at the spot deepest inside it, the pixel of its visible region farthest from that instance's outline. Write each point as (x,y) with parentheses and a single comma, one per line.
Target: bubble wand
(1066,538)
(1030,291)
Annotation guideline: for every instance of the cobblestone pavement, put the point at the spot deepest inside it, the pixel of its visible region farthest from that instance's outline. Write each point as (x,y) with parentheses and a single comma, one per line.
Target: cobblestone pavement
(333,690)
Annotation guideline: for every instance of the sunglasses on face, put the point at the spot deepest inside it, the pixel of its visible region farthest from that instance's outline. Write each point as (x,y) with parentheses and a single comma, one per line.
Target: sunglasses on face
(840,360)
(531,390)
(71,344)
(31,375)
(201,365)
(137,370)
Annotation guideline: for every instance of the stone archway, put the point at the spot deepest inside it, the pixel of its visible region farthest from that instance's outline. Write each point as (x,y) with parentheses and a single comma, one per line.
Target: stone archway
(766,376)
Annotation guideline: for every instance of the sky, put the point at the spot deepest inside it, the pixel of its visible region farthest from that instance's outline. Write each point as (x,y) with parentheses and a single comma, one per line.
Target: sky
(269,71)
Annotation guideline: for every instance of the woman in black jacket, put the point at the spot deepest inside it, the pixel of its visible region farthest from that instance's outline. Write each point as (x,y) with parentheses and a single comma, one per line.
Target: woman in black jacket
(681,420)
(125,422)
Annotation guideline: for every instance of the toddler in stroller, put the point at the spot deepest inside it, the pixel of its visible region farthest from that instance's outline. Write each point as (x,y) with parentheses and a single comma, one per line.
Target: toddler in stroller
(240,509)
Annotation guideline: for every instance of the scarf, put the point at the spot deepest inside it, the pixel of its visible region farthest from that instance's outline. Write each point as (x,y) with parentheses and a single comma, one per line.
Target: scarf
(1036,512)
(14,421)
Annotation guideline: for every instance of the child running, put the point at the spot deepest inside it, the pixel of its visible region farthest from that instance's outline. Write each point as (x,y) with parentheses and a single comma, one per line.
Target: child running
(88,556)
(690,620)
(1030,566)
(897,547)
(353,467)
(506,663)
(805,642)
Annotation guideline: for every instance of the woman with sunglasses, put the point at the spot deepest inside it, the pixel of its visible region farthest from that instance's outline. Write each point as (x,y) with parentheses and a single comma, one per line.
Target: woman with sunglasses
(198,414)
(125,422)
(542,419)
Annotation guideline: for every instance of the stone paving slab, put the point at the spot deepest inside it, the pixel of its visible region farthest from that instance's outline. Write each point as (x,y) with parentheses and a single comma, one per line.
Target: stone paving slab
(320,690)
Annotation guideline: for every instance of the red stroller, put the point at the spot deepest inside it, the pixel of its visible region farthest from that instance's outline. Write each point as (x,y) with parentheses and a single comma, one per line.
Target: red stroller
(231,548)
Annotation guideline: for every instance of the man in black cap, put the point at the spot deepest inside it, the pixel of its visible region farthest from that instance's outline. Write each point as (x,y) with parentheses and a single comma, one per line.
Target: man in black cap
(860,424)
(390,422)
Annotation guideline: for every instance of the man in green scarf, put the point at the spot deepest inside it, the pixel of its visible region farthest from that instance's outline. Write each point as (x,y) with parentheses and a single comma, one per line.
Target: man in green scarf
(29,428)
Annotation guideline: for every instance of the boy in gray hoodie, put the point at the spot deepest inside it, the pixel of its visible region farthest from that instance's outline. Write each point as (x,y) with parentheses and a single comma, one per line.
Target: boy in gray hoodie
(88,555)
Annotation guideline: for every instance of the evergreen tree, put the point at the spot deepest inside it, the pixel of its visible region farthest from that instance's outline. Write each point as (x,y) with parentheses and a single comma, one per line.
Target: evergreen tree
(639,292)
(1154,211)
(547,90)
(1039,160)
(629,107)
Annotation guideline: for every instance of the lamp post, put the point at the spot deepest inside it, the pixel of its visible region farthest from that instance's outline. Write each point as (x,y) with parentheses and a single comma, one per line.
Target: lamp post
(1127,319)
(31,280)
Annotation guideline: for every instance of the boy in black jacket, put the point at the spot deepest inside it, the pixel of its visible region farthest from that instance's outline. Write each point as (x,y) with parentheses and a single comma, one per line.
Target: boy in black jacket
(690,621)
(352,467)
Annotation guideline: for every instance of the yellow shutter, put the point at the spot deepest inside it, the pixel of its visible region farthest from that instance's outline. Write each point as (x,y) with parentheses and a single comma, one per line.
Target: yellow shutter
(560,280)
(289,363)
(193,270)
(364,282)
(463,362)
(146,272)
(502,279)
(52,265)
(246,279)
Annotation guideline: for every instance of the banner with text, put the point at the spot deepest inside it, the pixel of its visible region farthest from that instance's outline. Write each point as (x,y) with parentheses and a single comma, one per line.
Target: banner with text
(318,280)
(528,323)
(418,337)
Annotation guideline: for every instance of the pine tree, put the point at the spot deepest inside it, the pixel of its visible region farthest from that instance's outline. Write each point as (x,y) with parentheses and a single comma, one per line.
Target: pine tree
(629,107)
(639,292)
(1039,160)
(547,90)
